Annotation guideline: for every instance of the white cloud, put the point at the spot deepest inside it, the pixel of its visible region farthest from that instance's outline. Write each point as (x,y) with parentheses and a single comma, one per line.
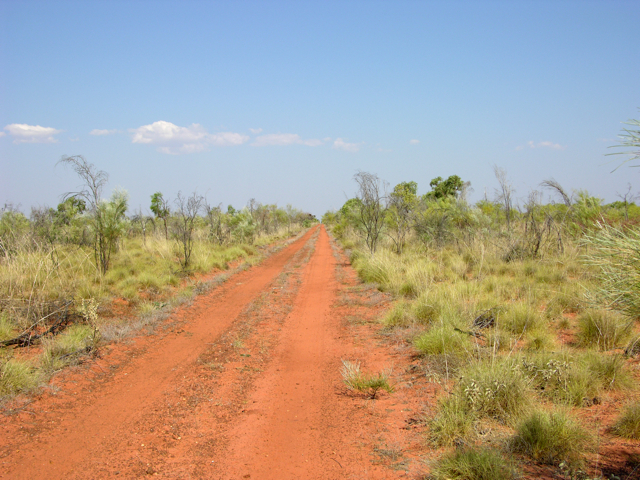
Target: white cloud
(23,133)
(255,131)
(74,139)
(97,131)
(414,142)
(544,144)
(340,144)
(284,139)
(174,140)
(2,134)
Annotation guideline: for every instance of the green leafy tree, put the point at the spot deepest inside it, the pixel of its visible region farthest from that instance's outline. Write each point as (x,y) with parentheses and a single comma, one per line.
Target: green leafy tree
(160,208)
(14,227)
(451,187)
(402,202)
(111,222)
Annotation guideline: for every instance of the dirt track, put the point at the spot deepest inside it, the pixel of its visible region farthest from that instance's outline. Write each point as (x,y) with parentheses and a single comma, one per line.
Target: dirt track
(244,383)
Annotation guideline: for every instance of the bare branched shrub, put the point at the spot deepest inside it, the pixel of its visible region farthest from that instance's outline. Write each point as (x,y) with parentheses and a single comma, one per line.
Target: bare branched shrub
(187,210)
(371,207)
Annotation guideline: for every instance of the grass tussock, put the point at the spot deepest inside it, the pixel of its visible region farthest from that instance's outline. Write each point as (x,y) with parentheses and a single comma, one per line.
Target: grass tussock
(368,383)
(474,464)
(496,390)
(603,329)
(628,423)
(18,376)
(453,423)
(552,438)
(444,340)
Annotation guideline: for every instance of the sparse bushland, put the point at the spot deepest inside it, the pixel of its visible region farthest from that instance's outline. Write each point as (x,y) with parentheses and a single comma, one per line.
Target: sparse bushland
(512,310)
(85,273)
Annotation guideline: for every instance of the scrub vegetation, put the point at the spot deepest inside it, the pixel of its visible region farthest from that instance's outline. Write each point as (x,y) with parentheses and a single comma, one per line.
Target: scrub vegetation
(90,271)
(524,311)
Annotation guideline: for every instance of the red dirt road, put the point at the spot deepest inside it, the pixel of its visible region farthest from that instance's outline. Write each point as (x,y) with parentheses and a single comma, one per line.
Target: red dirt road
(244,383)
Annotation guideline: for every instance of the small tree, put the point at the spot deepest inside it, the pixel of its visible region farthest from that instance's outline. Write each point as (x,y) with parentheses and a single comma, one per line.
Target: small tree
(402,201)
(214,217)
(106,217)
(111,223)
(627,199)
(451,187)
(504,193)
(184,223)
(160,208)
(371,207)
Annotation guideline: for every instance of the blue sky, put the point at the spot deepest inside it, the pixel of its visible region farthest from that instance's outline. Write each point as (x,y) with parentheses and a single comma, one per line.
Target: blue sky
(285,101)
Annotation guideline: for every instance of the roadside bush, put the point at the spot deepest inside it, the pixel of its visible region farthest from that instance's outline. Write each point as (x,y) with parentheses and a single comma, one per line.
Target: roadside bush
(398,316)
(74,340)
(552,437)
(474,464)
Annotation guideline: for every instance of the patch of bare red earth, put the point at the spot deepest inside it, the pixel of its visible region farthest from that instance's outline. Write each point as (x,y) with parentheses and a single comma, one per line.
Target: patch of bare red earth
(248,386)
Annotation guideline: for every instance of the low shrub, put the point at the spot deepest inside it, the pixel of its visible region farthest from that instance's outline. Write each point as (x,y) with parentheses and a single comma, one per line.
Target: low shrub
(575,379)
(398,316)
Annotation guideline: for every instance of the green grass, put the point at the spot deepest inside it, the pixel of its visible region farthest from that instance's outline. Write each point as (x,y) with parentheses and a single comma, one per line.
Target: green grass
(496,390)
(443,339)
(452,424)
(520,318)
(552,438)
(603,329)
(474,464)
(17,376)
(575,379)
